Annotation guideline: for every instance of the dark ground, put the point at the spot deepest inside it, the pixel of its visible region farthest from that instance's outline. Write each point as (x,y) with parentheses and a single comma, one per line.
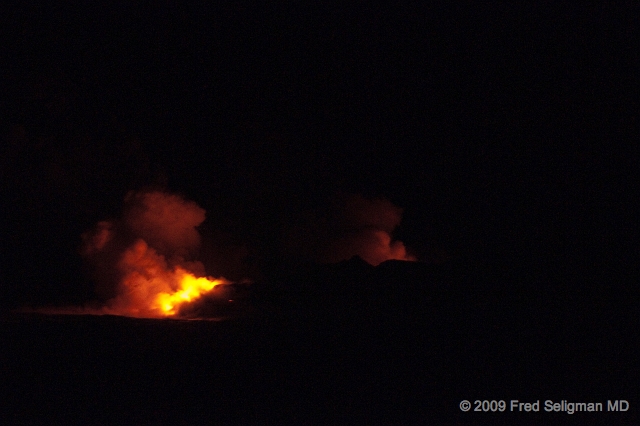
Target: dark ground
(400,343)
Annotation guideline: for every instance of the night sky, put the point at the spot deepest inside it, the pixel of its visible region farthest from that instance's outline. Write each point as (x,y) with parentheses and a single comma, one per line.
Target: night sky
(507,134)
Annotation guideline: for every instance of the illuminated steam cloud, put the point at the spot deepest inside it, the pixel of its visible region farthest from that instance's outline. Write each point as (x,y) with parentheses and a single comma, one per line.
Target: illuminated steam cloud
(165,221)
(369,225)
(359,226)
(141,261)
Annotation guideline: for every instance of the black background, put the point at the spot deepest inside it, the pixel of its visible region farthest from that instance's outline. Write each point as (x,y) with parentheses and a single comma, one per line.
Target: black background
(507,133)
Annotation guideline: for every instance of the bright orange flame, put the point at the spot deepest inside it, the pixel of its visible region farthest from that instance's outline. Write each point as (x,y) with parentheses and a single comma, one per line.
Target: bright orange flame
(191,288)
(150,288)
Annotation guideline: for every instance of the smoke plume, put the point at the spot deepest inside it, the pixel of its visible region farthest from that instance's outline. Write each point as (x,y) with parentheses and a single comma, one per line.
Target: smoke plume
(142,263)
(165,221)
(355,226)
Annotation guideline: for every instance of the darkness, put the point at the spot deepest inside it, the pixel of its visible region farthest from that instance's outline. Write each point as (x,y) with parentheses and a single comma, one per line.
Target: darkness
(508,134)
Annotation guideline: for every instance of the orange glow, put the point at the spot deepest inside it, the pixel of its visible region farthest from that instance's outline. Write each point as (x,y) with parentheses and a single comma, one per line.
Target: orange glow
(150,288)
(191,288)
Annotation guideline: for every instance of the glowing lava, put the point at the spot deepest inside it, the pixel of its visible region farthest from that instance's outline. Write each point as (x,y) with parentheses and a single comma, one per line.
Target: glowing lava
(143,262)
(151,288)
(191,288)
